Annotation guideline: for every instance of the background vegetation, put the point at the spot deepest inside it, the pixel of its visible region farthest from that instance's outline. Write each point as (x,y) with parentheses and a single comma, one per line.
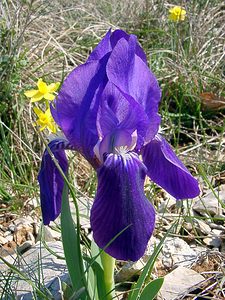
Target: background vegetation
(50,38)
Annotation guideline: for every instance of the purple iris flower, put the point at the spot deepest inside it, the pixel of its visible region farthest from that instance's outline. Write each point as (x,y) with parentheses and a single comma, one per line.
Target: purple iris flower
(107,109)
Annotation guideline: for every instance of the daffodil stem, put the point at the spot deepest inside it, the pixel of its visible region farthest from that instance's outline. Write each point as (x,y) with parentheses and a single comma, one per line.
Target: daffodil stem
(108,263)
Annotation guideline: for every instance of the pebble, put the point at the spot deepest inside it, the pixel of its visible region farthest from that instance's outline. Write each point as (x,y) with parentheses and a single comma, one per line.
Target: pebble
(166,205)
(209,204)
(12,227)
(46,233)
(3,240)
(129,270)
(24,221)
(24,247)
(212,241)
(202,226)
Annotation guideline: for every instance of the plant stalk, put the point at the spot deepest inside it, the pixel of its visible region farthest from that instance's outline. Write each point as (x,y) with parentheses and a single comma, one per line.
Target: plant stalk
(108,263)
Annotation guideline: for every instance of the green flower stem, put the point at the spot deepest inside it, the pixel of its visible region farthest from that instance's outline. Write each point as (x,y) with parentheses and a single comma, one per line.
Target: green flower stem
(108,263)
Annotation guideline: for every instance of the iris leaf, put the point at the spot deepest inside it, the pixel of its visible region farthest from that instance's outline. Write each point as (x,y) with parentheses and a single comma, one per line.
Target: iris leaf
(71,245)
(151,289)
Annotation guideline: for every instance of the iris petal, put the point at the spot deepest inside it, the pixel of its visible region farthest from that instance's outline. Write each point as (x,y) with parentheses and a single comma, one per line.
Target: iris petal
(108,43)
(120,203)
(120,111)
(119,34)
(102,48)
(77,104)
(51,181)
(165,169)
(131,75)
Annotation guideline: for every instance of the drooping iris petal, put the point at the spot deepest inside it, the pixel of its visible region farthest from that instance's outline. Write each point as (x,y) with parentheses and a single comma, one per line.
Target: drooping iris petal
(77,104)
(165,169)
(132,76)
(120,203)
(51,181)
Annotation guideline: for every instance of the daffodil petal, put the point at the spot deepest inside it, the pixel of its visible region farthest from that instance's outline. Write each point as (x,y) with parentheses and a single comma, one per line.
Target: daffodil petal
(37,111)
(37,97)
(49,96)
(30,93)
(53,87)
(42,86)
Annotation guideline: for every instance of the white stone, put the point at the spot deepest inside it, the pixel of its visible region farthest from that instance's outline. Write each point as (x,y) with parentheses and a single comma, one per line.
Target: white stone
(166,205)
(30,263)
(204,228)
(177,282)
(3,240)
(24,221)
(176,251)
(7,233)
(46,233)
(209,204)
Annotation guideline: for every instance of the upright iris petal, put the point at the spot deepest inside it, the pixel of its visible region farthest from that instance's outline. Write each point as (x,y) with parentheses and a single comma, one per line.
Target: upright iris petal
(120,204)
(77,105)
(132,76)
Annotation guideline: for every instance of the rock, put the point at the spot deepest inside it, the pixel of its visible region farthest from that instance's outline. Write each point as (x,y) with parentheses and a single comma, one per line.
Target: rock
(84,204)
(55,234)
(36,227)
(202,227)
(12,227)
(176,251)
(7,249)
(32,203)
(129,270)
(31,262)
(24,221)
(152,244)
(209,204)
(167,204)
(178,282)
(8,235)
(46,233)
(22,233)
(3,240)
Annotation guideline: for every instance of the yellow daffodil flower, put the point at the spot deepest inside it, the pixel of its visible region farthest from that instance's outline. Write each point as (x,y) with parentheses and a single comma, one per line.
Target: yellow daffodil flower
(45,120)
(44,91)
(177,14)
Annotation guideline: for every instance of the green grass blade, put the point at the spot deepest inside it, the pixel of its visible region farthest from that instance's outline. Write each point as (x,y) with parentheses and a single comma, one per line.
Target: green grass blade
(151,289)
